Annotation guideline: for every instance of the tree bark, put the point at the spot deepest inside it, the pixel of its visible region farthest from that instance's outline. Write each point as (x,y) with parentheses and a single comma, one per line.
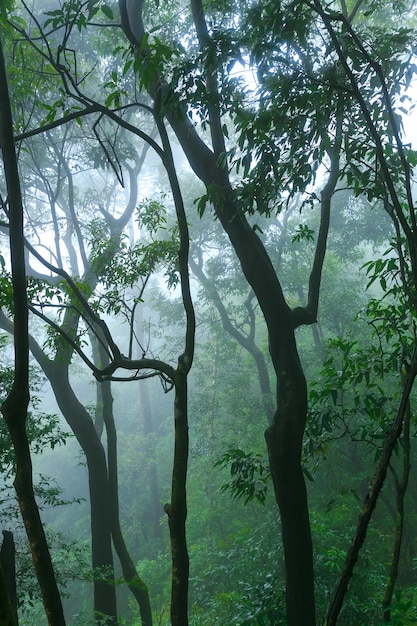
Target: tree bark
(82,426)
(8,595)
(135,583)
(284,441)
(7,613)
(14,408)
(177,508)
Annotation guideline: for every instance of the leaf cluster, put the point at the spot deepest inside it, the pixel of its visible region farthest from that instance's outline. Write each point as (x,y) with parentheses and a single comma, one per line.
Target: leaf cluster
(250,475)
(73,13)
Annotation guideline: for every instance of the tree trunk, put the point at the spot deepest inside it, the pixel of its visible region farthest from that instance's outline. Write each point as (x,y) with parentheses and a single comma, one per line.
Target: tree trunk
(7,614)
(177,508)
(82,426)
(102,556)
(284,440)
(134,581)
(372,497)
(8,595)
(14,408)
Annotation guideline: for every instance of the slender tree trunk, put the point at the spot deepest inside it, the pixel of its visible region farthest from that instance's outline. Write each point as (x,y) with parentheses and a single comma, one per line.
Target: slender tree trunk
(135,583)
(15,406)
(8,595)
(102,556)
(371,498)
(101,550)
(82,426)
(177,508)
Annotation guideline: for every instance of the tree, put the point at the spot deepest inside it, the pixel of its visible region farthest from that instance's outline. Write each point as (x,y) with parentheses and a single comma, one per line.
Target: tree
(56,365)
(284,436)
(76,307)
(14,408)
(51,175)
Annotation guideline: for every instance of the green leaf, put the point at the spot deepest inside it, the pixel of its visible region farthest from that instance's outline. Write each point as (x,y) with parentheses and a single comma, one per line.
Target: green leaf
(107,12)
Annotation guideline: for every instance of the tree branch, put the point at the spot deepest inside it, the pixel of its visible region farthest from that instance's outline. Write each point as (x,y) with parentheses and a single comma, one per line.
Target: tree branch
(308,314)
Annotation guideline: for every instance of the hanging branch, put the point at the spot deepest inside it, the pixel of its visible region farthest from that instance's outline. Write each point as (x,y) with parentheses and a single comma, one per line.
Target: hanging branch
(308,314)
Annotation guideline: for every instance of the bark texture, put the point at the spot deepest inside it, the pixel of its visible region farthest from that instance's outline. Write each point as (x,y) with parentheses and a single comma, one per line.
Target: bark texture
(8,595)
(14,408)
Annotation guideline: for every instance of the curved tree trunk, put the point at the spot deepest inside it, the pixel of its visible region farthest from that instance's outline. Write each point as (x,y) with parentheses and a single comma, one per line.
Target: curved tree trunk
(372,497)
(177,508)
(135,583)
(284,441)
(82,426)
(15,406)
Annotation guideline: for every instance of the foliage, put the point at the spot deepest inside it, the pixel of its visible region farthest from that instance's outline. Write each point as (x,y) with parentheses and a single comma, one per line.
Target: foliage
(250,475)
(232,578)
(332,532)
